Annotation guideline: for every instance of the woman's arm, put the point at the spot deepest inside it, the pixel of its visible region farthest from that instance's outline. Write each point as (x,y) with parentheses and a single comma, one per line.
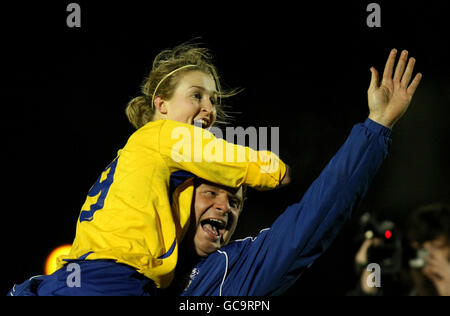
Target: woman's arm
(193,149)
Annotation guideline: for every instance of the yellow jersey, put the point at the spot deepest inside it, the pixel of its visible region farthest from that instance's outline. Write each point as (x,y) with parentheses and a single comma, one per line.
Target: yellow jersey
(129,216)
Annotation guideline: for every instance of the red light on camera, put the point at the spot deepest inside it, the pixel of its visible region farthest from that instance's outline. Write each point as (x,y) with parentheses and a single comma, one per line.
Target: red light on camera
(387,234)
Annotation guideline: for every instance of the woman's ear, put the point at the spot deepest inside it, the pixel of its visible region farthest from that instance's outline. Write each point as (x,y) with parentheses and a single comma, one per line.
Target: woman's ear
(160,105)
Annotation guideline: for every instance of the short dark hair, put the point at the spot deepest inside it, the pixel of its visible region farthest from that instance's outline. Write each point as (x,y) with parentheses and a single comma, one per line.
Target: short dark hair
(428,223)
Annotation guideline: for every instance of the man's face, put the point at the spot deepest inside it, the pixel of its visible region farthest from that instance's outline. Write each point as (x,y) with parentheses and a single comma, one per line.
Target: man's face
(217,210)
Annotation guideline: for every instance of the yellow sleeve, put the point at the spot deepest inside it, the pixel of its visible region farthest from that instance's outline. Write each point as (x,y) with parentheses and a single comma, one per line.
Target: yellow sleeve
(196,150)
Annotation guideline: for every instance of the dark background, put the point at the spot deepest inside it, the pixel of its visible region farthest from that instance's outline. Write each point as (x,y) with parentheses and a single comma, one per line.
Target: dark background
(304,67)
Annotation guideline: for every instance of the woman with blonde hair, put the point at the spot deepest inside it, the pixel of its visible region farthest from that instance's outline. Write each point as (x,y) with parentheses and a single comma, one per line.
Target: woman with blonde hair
(130,227)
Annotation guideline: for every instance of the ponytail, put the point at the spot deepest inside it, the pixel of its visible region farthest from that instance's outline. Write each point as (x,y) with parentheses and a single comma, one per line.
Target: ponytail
(139,112)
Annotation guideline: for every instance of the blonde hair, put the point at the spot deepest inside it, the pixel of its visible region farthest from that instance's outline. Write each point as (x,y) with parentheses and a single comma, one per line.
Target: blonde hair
(167,69)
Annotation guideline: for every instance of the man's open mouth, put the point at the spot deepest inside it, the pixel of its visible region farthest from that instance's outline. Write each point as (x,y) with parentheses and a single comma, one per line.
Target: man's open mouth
(214,227)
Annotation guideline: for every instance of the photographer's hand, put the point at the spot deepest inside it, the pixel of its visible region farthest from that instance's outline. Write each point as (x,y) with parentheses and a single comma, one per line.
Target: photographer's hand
(362,259)
(389,100)
(438,270)
(361,255)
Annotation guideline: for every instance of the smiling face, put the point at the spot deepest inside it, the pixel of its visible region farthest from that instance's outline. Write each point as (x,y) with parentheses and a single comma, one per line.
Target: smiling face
(217,210)
(194,100)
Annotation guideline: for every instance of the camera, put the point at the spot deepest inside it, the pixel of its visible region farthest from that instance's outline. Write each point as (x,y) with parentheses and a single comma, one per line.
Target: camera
(386,249)
(418,260)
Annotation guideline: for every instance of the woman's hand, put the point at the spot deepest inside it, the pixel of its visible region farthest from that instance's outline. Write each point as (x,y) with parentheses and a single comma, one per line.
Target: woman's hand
(389,100)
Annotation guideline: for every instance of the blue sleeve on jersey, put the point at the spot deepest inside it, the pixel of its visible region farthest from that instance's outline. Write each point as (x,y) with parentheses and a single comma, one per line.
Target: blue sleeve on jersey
(271,262)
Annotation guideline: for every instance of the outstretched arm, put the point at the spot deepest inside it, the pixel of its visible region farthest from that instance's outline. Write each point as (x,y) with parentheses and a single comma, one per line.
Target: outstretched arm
(306,229)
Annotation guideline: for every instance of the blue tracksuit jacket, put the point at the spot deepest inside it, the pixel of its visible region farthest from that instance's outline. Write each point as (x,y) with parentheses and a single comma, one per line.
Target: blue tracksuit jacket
(272,261)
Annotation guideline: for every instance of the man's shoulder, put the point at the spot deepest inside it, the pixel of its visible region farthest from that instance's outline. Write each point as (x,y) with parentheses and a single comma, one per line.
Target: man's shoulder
(239,245)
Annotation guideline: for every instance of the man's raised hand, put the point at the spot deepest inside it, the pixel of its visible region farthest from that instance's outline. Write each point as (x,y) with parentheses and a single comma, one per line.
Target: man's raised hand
(390,98)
